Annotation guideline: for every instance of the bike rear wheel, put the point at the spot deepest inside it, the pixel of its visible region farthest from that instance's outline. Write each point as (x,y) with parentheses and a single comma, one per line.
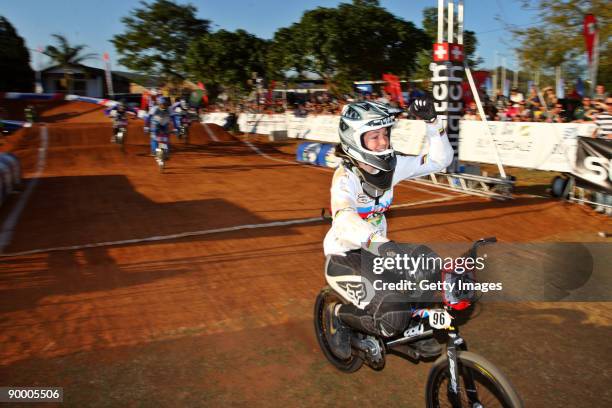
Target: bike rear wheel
(492,387)
(325,297)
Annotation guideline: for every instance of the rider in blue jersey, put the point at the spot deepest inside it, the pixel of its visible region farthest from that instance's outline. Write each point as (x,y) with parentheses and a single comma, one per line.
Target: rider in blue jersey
(158,122)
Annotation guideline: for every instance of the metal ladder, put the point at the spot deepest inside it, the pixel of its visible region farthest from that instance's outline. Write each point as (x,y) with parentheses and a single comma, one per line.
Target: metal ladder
(482,186)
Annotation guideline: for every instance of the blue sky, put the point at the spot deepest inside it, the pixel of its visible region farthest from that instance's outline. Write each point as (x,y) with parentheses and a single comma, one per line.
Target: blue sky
(94,22)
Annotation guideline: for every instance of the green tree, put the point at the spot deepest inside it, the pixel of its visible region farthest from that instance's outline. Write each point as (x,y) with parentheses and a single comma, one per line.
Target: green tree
(157,37)
(360,40)
(227,59)
(15,71)
(66,55)
(559,39)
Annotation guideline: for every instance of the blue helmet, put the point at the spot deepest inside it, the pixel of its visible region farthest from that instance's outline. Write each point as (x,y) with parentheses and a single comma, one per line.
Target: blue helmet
(162,100)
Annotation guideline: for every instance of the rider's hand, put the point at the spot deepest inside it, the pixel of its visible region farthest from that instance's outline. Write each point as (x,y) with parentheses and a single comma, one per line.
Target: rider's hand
(423,108)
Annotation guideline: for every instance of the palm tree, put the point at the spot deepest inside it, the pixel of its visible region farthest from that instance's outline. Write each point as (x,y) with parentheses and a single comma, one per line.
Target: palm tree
(66,55)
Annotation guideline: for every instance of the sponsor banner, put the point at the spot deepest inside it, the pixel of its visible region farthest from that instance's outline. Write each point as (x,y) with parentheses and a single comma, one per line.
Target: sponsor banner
(297,127)
(447,72)
(88,99)
(217,118)
(308,152)
(15,124)
(327,156)
(594,163)
(320,127)
(33,96)
(260,123)
(541,146)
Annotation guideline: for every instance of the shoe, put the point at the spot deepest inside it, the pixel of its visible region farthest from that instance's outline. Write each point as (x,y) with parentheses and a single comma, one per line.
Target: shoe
(428,347)
(337,333)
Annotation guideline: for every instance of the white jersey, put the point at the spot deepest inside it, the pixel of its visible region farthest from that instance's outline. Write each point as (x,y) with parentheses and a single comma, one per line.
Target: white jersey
(360,219)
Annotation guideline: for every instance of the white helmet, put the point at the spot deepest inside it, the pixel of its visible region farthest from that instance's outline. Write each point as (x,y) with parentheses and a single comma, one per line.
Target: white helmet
(359,118)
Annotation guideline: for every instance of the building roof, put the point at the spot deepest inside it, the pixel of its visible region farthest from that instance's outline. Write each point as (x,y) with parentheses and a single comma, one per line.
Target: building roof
(147,81)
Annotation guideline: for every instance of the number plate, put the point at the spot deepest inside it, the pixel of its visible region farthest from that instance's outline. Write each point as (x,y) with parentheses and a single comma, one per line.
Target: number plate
(439,319)
(163,146)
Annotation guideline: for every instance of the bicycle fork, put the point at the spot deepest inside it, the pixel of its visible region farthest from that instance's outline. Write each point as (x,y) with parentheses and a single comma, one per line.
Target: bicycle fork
(456,343)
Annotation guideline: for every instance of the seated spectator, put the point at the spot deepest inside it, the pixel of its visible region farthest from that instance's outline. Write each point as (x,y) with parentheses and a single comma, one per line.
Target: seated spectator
(384,98)
(516,97)
(550,98)
(523,113)
(533,96)
(526,116)
(604,131)
(502,115)
(489,109)
(584,112)
(501,102)
(300,111)
(603,121)
(600,94)
(470,112)
(555,115)
(537,112)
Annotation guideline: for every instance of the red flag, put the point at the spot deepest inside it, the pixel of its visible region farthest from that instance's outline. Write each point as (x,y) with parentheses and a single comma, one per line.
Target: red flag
(204,93)
(589,31)
(144,100)
(480,77)
(394,88)
(105,57)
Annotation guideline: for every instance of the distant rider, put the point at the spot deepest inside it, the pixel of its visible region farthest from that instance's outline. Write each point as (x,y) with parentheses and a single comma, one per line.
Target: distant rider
(178,111)
(118,113)
(158,122)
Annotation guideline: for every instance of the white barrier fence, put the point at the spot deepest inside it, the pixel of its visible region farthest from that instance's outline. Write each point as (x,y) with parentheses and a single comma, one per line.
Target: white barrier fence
(542,146)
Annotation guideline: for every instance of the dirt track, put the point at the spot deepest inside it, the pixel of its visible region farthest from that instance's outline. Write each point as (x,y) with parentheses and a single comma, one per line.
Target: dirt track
(225,318)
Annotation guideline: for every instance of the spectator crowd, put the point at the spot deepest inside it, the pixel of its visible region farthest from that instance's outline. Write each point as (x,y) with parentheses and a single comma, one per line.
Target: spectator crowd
(542,106)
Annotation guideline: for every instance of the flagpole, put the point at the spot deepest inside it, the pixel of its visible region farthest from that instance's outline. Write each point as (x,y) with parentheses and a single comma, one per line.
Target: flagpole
(109,78)
(595,63)
(440,21)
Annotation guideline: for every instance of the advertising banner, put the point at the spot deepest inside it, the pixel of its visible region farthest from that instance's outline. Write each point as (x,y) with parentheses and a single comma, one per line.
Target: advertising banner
(541,146)
(447,77)
(593,167)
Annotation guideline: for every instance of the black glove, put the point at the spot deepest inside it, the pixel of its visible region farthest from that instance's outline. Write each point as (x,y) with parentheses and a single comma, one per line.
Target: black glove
(423,108)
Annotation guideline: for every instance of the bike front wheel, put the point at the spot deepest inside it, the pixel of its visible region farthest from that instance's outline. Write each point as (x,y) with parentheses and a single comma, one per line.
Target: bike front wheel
(326,297)
(490,387)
